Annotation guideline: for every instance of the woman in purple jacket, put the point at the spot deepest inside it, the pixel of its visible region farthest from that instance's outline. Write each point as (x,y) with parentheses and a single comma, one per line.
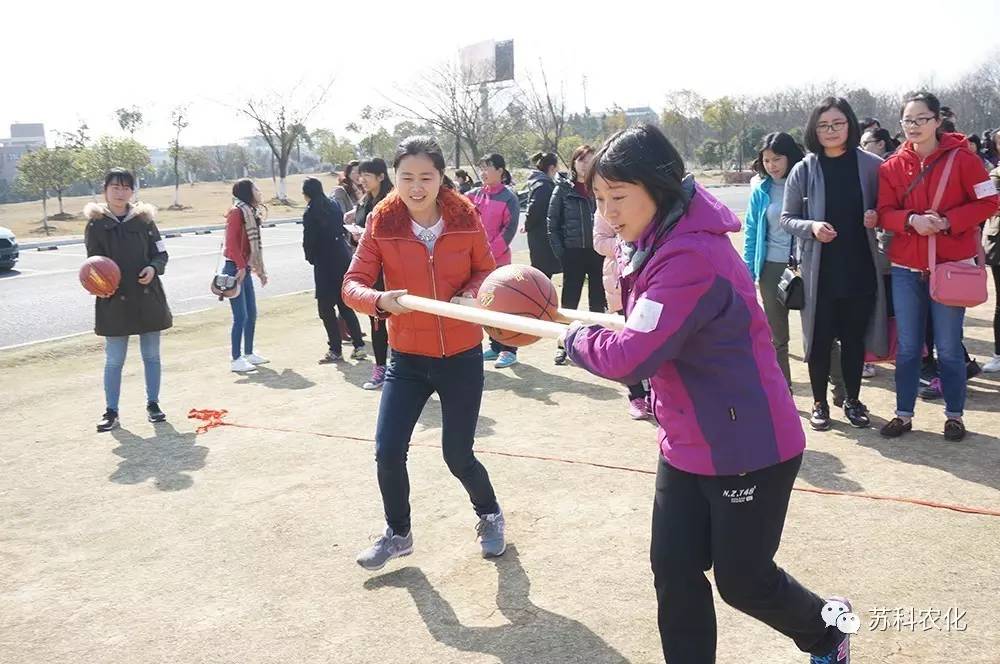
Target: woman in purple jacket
(735,442)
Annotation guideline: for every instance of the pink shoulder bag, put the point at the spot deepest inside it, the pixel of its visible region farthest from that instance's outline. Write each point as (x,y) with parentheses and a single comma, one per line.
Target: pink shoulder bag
(955,283)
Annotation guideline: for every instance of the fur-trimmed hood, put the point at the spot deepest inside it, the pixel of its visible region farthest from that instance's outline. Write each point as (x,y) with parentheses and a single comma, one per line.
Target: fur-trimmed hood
(391,218)
(144,211)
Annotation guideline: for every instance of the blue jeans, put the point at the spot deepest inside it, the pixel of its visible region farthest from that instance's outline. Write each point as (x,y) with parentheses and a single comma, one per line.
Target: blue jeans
(244,313)
(409,382)
(115,350)
(911,300)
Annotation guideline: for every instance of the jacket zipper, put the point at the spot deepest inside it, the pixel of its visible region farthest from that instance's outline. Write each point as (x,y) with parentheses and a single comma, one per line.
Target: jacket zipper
(434,290)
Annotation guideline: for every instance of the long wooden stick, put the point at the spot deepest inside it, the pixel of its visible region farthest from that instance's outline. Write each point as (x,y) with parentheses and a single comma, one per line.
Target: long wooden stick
(610,321)
(538,328)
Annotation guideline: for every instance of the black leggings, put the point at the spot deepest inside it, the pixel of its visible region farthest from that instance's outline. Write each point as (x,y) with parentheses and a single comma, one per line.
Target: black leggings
(845,319)
(580,264)
(380,341)
(328,308)
(732,524)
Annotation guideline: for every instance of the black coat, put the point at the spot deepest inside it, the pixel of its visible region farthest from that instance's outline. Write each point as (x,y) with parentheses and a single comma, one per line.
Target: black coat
(324,241)
(571,218)
(536,224)
(133,244)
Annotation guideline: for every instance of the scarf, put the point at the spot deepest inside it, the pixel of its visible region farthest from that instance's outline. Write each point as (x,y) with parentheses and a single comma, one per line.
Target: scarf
(252,227)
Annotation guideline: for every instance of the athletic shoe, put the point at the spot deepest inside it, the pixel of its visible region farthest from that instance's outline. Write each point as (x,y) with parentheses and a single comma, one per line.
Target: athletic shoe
(491,538)
(331,357)
(241,365)
(972,369)
(255,359)
(868,371)
(839,396)
(489,355)
(857,414)
(560,357)
(359,353)
(638,409)
(108,421)
(993,366)
(841,652)
(896,427)
(153,412)
(386,547)
(378,378)
(505,359)
(820,419)
(932,391)
(954,430)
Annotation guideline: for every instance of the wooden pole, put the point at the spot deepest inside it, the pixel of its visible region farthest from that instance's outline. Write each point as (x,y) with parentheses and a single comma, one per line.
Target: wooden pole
(610,321)
(522,324)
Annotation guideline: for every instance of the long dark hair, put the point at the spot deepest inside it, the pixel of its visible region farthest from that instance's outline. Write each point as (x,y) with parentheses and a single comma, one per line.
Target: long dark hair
(642,155)
(243,191)
(779,143)
(427,146)
(376,166)
(853,128)
(318,201)
(498,162)
(347,183)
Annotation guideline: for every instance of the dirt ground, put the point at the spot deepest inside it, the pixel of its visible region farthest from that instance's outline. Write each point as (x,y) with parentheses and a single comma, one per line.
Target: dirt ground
(159,544)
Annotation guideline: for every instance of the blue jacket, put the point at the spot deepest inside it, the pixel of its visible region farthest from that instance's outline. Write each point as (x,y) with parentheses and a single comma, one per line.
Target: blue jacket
(755,240)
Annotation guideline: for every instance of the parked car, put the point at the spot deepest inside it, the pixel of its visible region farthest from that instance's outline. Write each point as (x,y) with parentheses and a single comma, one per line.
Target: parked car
(8,249)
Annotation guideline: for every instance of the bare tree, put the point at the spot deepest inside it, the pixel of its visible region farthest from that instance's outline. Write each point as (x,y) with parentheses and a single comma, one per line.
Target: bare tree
(178,119)
(475,115)
(545,111)
(281,121)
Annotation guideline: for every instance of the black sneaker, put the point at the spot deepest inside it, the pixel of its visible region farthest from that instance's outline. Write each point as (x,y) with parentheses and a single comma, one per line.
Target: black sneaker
(108,421)
(972,369)
(857,413)
(560,357)
(954,430)
(820,420)
(896,427)
(153,412)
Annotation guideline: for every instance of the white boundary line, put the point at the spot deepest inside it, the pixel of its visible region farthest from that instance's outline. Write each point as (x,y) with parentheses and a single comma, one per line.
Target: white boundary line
(186,313)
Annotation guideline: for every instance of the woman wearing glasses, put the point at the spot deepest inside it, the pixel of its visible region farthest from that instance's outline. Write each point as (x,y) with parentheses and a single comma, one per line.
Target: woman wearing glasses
(828,195)
(908,186)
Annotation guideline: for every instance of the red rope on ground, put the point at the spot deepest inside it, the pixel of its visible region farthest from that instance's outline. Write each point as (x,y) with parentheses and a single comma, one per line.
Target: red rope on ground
(214,418)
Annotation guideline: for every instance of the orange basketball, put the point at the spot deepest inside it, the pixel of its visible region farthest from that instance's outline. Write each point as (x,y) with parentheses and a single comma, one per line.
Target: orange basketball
(100,276)
(520,290)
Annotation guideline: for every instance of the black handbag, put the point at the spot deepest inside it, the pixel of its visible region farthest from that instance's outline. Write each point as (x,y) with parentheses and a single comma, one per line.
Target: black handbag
(791,288)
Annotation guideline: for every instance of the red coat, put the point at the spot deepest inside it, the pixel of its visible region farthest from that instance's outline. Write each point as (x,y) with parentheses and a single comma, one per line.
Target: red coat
(460,262)
(237,244)
(969,199)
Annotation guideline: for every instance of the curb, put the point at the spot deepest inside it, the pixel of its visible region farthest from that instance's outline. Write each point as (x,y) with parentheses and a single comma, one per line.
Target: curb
(51,245)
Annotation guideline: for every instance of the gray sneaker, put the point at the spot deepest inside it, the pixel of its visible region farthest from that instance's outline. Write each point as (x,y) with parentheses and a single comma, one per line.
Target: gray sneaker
(490,530)
(385,548)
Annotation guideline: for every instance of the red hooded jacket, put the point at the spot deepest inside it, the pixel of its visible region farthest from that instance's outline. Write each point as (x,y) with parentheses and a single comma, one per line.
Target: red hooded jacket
(969,199)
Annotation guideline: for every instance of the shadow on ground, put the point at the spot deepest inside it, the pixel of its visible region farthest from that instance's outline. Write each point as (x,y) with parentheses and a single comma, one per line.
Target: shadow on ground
(530,382)
(167,458)
(532,635)
(288,379)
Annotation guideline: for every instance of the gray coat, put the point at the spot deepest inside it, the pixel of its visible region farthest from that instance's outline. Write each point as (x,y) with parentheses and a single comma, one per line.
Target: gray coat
(800,194)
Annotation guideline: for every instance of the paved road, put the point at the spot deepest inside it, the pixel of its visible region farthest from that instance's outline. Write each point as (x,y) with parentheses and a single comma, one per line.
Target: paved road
(42,299)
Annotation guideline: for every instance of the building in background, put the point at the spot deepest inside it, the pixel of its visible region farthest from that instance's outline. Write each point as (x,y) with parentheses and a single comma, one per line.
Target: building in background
(24,137)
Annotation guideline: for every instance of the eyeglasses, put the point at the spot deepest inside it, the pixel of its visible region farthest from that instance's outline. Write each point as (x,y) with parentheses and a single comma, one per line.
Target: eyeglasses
(832,127)
(916,122)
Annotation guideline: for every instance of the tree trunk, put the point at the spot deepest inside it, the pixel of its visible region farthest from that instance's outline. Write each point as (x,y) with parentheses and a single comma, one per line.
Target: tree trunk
(282,172)
(59,194)
(45,213)
(177,181)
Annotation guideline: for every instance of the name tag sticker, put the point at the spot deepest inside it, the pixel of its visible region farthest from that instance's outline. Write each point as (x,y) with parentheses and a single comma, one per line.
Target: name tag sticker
(984,189)
(645,315)
(161,246)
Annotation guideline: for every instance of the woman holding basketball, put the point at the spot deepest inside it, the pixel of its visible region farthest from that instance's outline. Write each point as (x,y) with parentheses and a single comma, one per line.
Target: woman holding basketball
(694,328)
(426,239)
(127,234)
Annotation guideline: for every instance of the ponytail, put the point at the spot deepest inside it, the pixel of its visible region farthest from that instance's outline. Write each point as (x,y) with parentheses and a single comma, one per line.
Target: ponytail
(506,178)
